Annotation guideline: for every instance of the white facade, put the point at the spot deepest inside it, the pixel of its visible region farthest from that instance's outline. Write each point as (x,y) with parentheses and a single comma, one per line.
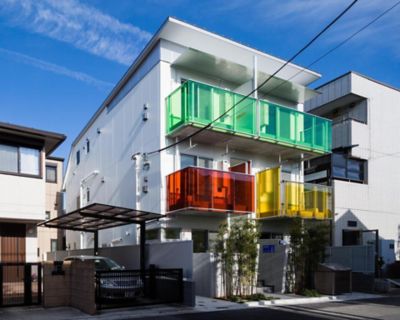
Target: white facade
(110,175)
(366,116)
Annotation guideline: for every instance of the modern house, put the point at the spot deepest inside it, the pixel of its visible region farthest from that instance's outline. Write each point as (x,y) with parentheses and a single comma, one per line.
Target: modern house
(248,163)
(363,167)
(25,160)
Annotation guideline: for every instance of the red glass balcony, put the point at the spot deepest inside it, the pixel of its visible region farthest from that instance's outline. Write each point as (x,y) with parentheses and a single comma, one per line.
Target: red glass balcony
(201,189)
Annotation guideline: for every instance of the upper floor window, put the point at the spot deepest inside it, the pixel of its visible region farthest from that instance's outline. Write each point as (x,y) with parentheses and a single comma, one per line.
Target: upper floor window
(51,173)
(78,157)
(195,161)
(87,145)
(19,160)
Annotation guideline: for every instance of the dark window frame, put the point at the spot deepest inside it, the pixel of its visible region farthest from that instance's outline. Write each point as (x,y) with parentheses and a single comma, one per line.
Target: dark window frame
(18,173)
(78,157)
(53,166)
(87,145)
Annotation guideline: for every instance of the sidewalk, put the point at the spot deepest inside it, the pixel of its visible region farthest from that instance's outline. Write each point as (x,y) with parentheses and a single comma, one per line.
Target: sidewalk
(203,304)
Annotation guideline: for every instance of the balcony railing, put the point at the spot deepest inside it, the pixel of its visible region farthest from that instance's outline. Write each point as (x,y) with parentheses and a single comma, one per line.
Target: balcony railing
(198,104)
(210,190)
(276,198)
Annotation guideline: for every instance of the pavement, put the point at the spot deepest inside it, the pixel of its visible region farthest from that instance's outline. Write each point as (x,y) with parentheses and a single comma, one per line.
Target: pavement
(291,308)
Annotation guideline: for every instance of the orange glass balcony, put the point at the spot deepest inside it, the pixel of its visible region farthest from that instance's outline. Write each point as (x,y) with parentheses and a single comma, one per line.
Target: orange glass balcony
(200,189)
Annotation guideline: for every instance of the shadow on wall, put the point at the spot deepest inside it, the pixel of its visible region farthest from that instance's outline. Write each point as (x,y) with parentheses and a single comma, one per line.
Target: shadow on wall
(351,231)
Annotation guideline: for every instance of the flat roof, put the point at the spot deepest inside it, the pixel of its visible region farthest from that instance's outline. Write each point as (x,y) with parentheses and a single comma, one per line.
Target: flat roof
(98,216)
(50,139)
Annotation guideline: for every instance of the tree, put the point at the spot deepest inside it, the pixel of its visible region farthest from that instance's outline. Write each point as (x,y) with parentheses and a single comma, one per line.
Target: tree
(306,251)
(237,248)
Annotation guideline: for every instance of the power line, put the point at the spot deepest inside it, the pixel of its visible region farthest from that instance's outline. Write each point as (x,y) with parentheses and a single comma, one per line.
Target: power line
(262,84)
(337,46)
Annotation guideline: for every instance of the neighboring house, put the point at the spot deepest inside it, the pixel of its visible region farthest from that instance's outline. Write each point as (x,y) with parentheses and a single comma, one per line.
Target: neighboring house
(250,162)
(24,153)
(364,165)
(49,239)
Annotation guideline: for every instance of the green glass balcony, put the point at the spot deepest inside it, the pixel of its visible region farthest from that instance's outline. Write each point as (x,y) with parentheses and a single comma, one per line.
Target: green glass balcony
(196,104)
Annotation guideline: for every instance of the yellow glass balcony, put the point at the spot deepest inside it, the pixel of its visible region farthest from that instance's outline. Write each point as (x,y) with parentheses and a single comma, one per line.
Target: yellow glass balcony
(277,198)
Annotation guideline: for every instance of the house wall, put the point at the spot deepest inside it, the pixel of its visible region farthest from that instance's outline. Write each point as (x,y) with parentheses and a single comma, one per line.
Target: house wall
(373,205)
(117,179)
(22,198)
(45,235)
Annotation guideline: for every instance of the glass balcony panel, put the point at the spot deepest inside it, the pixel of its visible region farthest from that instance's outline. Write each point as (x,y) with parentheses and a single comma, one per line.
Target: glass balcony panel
(268,193)
(199,104)
(207,189)
(291,199)
(244,193)
(244,115)
(268,120)
(176,107)
(306,200)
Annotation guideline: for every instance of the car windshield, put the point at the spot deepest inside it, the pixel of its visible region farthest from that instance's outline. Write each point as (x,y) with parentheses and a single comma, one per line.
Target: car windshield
(106,264)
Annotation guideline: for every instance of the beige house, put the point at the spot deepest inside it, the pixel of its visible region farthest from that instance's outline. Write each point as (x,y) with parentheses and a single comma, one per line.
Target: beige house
(50,240)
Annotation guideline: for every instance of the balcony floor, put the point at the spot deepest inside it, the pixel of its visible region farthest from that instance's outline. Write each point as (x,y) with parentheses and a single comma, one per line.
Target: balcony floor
(196,212)
(247,144)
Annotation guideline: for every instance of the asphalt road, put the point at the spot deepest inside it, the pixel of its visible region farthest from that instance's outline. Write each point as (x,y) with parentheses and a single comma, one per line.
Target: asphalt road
(374,309)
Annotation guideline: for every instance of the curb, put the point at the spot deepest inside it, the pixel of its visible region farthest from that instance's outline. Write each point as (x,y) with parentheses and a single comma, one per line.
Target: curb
(295,301)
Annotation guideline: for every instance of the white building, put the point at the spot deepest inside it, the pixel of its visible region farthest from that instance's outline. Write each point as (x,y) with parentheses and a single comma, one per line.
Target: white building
(184,78)
(24,184)
(363,168)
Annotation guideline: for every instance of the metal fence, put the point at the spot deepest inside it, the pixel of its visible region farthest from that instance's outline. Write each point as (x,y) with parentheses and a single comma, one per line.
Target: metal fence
(134,287)
(20,284)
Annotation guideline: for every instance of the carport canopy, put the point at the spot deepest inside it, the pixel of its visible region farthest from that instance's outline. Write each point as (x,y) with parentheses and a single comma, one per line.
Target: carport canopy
(97,216)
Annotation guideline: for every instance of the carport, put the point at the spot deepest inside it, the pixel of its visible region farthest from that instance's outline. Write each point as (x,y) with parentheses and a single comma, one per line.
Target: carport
(97,216)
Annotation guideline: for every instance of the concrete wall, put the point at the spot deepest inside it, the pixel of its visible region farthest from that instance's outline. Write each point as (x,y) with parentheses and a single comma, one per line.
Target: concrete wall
(176,254)
(358,258)
(272,264)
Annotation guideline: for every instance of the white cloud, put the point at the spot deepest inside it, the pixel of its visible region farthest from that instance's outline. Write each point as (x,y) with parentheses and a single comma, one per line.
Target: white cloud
(54,68)
(80,25)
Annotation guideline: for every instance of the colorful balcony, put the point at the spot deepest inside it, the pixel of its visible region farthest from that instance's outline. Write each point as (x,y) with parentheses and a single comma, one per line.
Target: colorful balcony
(194,105)
(277,198)
(201,190)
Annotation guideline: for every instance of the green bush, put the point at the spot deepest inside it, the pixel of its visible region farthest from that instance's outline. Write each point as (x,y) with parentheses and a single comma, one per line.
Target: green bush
(310,293)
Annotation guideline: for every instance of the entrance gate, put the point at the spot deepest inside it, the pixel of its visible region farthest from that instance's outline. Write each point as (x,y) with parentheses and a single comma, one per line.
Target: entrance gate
(20,284)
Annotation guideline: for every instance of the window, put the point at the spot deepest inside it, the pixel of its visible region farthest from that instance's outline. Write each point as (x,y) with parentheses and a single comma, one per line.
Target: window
(344,167)
(351,223)
(187,161)
(53,245)
(172,233)
(153,234)
(87,145)
(78,157)
(19,160)
(204,162)
(51,173)
(8,158)
(87,195)
(47,217)
(200,240)
(195,161)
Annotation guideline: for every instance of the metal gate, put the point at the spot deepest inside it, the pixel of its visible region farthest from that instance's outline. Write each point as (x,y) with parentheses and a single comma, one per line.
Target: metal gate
(134,287)
(20,283)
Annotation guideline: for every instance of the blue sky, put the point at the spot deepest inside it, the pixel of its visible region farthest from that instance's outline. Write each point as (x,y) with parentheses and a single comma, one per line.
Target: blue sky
(60,59)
